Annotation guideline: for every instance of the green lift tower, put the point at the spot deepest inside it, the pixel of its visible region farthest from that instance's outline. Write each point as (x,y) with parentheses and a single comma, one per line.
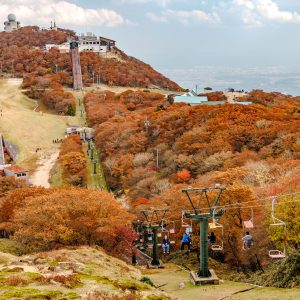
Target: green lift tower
(202,215)
(154,221)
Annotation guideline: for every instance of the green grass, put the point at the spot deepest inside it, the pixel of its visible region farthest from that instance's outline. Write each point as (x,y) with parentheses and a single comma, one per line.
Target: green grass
(268,294)
(31,293)
(125,284)
(95,181)
(99,279)
(56,178)
(11,247)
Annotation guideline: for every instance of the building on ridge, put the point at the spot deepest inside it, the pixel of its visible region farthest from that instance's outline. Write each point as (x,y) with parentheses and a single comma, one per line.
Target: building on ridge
(11,24)
(86,43)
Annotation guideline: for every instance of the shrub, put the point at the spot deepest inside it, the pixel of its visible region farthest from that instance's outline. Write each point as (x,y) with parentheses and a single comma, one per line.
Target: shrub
(147,280)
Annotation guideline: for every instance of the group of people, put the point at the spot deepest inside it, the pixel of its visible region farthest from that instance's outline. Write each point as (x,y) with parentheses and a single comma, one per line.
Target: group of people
(57,141)
(186,241)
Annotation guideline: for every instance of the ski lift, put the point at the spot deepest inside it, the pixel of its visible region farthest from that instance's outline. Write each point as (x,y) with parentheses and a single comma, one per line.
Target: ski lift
(164,231)
(172,229)
(277,254)
(184,223)
(250,223)
(172,232)
(216,225)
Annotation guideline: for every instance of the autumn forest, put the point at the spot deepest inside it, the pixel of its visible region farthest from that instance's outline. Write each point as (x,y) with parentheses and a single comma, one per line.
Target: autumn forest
(150,149)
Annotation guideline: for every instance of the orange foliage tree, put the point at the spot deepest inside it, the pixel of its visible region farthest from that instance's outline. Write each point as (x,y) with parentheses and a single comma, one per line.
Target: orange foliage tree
(67,217)
(73,161)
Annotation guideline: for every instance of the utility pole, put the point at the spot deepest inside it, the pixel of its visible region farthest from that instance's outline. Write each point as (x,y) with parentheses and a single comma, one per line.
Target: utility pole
(204,275)
(154,220)
(95,167)
(157,161)
(92,153)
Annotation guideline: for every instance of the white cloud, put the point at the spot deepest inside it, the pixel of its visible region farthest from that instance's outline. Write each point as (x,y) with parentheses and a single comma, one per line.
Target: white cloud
(162,3)
(185,16)
(156,18)
(40,12)
(257,12)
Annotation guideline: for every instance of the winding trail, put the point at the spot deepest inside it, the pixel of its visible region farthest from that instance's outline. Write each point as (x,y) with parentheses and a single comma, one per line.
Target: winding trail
(42,174)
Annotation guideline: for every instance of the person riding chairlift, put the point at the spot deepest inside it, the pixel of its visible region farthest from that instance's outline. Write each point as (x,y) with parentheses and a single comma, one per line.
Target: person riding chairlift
(186,241)
(248,241)
(166,245)
(212,238)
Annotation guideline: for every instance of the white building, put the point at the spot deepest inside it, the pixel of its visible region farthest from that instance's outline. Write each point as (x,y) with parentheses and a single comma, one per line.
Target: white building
(90,42)
(11,24)
(85,133)
(86,43)
(17,172)
(62,48)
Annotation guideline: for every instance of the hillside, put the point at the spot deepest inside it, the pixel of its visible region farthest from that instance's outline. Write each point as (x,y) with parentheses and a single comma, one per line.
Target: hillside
(252,150)
(21,53)
(81,273)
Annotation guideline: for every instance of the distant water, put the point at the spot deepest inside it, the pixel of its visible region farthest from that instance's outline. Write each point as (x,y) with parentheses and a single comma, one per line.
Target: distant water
(278,79)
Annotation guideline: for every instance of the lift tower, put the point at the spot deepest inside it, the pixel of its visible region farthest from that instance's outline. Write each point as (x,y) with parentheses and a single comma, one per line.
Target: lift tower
(204,275)
(154,221)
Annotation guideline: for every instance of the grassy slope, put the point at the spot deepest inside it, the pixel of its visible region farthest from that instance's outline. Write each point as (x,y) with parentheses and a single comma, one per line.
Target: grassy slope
(29,130)
(93,269)
(173,276)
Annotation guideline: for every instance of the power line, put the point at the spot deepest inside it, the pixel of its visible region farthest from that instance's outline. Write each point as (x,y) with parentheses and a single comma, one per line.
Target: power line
(238,204)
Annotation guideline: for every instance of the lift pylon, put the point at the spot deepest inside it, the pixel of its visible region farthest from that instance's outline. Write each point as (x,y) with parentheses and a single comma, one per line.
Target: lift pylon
(154,219)
(204,275)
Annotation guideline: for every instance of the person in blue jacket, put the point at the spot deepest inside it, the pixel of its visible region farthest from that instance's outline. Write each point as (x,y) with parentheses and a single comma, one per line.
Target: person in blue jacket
(186,241)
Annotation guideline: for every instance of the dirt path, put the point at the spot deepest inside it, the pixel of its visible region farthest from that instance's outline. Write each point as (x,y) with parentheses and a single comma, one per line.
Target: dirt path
(175,281)
(42,175)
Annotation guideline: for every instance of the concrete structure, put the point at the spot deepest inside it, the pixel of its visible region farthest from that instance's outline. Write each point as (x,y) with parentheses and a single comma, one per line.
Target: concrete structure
(242,102)
(92,43)
(11,24)
(192,100)
(85,133)
(76,67)
(2,157)
(17,172)
(86,43)
(62,48)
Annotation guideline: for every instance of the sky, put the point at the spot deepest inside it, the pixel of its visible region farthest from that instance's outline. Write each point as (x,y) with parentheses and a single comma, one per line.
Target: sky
(180,33)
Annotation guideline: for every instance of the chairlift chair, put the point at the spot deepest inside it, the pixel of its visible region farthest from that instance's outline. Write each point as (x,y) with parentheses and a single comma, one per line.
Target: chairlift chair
(277,254)
(184,223)
(163,232)
(216,225)
(250,223)
(172,232)
(172,229)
